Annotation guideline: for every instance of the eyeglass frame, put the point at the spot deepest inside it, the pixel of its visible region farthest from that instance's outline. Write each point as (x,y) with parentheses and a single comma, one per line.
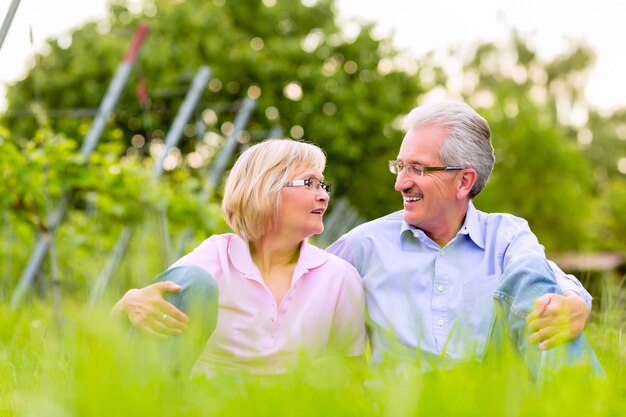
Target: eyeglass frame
(326,186)
(398,166)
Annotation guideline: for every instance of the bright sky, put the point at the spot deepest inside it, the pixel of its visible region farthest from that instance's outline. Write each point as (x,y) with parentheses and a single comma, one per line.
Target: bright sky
(420,26)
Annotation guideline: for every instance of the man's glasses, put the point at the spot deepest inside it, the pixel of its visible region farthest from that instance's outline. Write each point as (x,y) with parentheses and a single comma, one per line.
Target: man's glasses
(416,170)
(310,183)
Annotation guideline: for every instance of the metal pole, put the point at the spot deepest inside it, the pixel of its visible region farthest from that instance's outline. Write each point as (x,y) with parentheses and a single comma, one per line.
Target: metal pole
(106,107)
(189,104)
(173,136)
(275,133)
(111,266)
(225,155)
(242,118)
(7,20)
(114,91)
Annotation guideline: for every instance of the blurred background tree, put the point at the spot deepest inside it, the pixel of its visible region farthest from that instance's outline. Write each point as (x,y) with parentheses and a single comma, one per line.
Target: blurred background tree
(540,168)
(314,81)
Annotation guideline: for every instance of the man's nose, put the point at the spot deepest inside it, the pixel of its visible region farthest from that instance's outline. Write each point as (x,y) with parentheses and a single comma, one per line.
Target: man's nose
(403,181)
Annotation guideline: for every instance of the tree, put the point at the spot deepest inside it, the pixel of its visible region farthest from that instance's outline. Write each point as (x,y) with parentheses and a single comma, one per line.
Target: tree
(310,79)
(541,173)
(604,141)
(344,94)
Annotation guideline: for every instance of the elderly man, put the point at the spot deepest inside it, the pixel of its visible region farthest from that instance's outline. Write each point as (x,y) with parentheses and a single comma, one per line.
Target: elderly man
(435,271)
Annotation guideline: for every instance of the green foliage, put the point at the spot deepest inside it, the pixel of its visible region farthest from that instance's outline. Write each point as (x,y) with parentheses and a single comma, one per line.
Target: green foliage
(346,104)
(104,194)
(604,141)
(610,221)
(540,171)
(346,94)
(84,365)
(539,178)
(48,167)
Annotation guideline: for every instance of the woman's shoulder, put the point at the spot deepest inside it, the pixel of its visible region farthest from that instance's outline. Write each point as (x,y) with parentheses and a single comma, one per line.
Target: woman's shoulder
(218,242)
(326,261)
(215,245)
(218,239)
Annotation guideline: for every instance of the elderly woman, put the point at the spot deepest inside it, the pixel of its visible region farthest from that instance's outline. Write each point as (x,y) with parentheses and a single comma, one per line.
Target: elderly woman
(281,300)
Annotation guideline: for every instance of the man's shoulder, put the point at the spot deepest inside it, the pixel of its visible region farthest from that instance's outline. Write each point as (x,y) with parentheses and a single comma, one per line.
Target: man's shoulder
(502,218)
(391,222)
(502,222)
(365,234)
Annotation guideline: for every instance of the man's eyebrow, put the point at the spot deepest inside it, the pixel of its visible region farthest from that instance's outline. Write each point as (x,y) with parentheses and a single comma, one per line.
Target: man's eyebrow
(410,162)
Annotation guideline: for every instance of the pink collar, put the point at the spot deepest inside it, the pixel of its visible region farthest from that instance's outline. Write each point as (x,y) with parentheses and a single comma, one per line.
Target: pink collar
(311,257)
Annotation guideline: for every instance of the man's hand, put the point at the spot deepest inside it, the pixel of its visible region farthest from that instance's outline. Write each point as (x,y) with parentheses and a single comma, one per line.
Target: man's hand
(556,319)
(150,313)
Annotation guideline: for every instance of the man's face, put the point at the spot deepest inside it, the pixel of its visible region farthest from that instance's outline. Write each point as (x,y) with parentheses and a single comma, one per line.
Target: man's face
(428,199)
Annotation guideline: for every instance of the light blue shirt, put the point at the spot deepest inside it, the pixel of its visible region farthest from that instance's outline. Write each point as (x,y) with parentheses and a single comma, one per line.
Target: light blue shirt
(433,302)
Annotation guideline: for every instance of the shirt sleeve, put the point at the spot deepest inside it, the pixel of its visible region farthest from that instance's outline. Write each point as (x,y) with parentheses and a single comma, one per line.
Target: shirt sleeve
(524,242)
(208,255)
(569,282)
(348,335)
(347,247)
(341,248)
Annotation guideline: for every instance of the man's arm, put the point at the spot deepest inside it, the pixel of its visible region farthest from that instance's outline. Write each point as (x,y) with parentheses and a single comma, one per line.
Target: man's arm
(555,318)
(149,312)
(569,282)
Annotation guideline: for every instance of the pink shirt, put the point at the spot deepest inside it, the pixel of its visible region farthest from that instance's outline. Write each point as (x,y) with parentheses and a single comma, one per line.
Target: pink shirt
(323,311)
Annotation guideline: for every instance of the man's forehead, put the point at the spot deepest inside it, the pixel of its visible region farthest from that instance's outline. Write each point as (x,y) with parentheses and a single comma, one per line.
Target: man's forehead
(415,152)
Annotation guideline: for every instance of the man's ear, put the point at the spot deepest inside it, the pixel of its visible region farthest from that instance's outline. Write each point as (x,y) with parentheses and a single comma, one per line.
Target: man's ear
(466,181)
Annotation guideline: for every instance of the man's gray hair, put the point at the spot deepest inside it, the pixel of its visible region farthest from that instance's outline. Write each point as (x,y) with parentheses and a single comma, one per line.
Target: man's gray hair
(468,137)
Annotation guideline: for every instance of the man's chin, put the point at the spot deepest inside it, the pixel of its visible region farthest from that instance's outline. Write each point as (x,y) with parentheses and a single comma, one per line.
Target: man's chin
(410,219)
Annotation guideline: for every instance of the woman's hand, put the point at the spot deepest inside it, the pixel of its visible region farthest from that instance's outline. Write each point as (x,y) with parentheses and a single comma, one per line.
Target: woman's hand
(150,313)
(557,319)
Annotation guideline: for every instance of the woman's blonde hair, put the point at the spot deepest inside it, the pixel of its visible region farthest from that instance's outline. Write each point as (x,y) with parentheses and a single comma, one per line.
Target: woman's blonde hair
(252,196)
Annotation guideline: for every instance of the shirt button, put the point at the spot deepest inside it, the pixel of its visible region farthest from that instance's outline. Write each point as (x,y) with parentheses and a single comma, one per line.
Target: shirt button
(440,322)
(440,288)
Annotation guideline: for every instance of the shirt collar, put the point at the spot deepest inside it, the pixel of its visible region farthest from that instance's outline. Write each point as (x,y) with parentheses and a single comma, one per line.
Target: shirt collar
(471,227)
(311,257)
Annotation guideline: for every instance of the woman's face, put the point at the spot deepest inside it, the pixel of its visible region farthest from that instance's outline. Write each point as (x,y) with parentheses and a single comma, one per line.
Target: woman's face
(303,206)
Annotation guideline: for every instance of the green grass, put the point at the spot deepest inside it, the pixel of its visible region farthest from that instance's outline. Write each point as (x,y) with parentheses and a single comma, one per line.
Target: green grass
(87,368)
